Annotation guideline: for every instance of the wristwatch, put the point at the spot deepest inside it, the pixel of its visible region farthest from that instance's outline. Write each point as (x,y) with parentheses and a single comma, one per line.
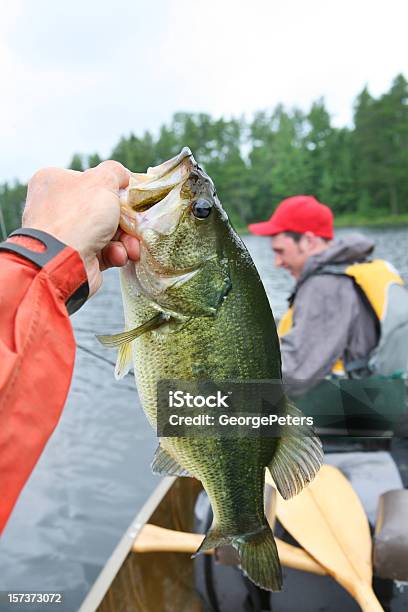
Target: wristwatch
(53,247)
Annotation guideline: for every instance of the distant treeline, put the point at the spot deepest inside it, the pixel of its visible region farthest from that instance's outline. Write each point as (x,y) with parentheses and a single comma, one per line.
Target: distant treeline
(362,170)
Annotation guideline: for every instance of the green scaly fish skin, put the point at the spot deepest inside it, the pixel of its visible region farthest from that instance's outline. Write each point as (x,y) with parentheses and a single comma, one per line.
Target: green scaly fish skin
(218,326)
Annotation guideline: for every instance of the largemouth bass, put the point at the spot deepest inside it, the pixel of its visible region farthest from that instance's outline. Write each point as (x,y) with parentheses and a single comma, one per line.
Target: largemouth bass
(195,309)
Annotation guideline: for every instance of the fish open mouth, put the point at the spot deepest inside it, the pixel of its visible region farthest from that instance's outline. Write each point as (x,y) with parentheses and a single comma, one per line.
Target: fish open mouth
(148,190)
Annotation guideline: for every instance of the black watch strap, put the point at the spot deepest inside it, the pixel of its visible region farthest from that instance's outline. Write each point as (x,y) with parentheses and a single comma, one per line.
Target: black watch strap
(53,246)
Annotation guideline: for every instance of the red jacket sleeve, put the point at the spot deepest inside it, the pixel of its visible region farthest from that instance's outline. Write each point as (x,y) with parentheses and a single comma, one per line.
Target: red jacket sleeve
(37,351)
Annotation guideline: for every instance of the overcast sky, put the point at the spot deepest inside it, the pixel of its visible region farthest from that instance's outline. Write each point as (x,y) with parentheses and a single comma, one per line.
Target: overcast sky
(77,75)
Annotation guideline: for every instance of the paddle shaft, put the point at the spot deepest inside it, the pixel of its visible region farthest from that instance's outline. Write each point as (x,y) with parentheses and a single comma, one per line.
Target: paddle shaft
(366,598)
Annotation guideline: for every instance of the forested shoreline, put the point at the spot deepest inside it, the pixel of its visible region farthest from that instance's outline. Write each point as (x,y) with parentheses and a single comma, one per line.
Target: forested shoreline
(361,171)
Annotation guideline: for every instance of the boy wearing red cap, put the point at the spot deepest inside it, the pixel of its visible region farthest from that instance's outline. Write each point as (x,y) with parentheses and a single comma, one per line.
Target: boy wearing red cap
(329,319)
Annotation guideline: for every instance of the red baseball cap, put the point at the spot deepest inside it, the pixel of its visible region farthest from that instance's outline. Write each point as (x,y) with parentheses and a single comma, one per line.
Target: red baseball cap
(301,213)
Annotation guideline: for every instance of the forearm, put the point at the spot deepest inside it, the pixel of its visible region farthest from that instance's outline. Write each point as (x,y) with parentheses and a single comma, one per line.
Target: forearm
(37,351)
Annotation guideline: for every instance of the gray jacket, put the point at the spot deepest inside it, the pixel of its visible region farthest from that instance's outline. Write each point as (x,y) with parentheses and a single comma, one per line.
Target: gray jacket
(330,318)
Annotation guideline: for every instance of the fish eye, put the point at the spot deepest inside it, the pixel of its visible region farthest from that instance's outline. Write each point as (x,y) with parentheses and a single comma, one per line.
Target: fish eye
(201,208)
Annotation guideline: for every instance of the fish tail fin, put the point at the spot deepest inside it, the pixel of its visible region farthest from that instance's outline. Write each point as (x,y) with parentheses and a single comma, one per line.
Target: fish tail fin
(257,552)
(259,558)
(298,456)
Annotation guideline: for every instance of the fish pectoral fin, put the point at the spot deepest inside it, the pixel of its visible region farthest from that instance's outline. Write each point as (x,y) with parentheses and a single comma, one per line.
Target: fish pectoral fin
(128,336)
(123,361)
(163,463)
(297,458)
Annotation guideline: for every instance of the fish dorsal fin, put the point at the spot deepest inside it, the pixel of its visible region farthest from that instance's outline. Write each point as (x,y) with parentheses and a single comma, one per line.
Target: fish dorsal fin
(128,336)
(123,361)
(163,463)
(298,457)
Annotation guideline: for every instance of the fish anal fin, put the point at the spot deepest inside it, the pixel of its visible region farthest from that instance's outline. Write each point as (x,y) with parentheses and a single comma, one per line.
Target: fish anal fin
(297,458)
(123,361)
(214,538)
(118,340)
(163,463)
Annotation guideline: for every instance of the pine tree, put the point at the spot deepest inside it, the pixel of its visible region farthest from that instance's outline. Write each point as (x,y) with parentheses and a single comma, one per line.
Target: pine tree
(77,162)
(94,160)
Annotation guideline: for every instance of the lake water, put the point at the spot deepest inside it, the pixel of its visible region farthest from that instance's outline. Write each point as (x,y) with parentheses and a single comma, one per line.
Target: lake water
(95,472)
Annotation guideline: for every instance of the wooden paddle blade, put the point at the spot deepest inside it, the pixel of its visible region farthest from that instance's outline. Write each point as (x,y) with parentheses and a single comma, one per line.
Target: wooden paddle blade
(297,558)
(328,520)
(158,539)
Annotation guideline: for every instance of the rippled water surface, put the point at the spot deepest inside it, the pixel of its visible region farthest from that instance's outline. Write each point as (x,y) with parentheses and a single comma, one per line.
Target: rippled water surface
(95,472)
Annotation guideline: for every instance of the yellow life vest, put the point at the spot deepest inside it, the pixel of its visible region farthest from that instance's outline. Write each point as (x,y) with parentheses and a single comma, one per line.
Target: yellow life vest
(377,280)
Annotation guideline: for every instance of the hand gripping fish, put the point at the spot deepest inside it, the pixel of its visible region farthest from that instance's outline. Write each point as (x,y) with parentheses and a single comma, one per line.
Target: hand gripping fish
(195,309)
